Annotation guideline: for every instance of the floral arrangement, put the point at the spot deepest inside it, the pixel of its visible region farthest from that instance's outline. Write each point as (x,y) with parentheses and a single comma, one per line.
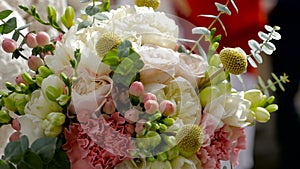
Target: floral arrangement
(117,88)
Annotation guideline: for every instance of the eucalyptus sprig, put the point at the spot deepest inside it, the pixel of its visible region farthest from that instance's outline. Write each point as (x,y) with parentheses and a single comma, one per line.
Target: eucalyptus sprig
(272,84)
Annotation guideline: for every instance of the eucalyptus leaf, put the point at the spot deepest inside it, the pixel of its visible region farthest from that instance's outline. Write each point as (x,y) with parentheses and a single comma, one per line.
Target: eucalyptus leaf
(263,36)
(271,85)
(24,143)
(101,16)
(92,10)
(271,46)
(268,28)
(4,14)
(267,50)
(9,26)
(45,147)
(223,8)
(201,30)
(276,36)
(31,161)
(6,165)
(257,57)
(13,152)
(84,24)
(83,1)
(209,16)
(252,62)
(60,161)
(234,5)
(254,45)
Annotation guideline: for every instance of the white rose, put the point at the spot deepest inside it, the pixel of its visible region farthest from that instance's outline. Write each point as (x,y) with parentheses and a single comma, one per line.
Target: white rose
(39,106)
(31,126)
(234,109)
(192,67)
(90,92)
(181,162)
(159,63)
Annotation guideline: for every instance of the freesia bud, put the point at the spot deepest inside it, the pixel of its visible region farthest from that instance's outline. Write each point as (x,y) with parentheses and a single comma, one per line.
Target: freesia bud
(9,103)
(254,96)
(20,102)
(44,71)
(168,121)
(272,108)
(56,118)
(68,17)
(27,78)
(151,106)
(53,131)
(31,41)
(9,45)
(136,89)
(34,62)
(42,38)
(132,115)
(262,115)
(4,117)
(167,107)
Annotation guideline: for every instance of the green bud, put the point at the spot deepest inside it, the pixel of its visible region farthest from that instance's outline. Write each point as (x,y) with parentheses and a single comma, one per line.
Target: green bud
(272,108)
(20,102)
(9,103)
(148,125)
(149,141)
(44,71)
(53,131)
(168,121)
(151,159)
(263,101)
(254,96)
(23,87)
(4,117)
(39,80)
(46,123)
(262,115)
(170,140)
(27,78)
(173,153)
(9,86)
(155,125)
(51,13)
(52,93)
(56,118)
(270,99)
(68,17)
(155,116)
(162,156)
(162,127)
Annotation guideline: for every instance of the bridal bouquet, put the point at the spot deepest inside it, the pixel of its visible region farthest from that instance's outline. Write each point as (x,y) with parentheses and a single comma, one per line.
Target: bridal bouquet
(117,88)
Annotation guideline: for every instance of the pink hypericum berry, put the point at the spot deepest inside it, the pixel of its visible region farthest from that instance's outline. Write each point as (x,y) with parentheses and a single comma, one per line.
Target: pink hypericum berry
(16,124)
(132,115)
(167,107)
(15,136)
(129,128)
(42,38)
(20,80)
(31,40)
(9,45)
(149,96)
(136,89)
(140,126)
(151,106)
(34,62)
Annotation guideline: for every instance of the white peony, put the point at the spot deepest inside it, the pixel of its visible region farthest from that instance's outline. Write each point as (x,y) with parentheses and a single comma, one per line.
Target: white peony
(233,109)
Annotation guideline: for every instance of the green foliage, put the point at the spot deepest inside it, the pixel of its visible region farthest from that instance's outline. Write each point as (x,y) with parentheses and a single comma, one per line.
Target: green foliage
(271,85)
(44,153)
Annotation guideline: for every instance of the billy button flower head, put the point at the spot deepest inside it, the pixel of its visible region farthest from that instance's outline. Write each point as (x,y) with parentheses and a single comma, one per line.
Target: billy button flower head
(233,60)
(149,3)
(189,139)
(107,42)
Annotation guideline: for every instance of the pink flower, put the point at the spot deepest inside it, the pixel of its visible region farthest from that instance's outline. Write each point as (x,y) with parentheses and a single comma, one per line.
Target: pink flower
(220,143)
(136,89)
(98,144)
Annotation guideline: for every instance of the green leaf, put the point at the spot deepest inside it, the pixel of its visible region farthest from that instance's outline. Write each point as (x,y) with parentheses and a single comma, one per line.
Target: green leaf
(254,45)
(101,17)
(234,5)
(263,36)
(83,1)
(276,36)
(92,10)
(13,152)
(9,26)
(111,58)
(201,30)
(105,6)
(84,24)
(124,48)
(45,147)
(23,27)
(31,161)
(16,35)
(252,62)
(6,165)
(257,57)
(4,14)
(268,28)
(223,8)
(24,143)
(60,161)
(267,50)
(271,85)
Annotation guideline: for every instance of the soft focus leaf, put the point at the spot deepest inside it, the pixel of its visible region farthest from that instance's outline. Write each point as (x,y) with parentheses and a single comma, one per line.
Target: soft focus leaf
(234,5)
(257,57)
(101,17)
(271,85)
(267,50)
(276,36)
(263,36)
(60,161)
(201,30)
(31,161)
(252,62)
(92,10)
(278,81)
(271,46)
(83,1)
(45,147)
(223,8)
(254,45)
(268,28)
(4,14)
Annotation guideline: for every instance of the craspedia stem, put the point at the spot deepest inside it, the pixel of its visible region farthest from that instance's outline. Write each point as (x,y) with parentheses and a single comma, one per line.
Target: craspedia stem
(189,139)
(233,60)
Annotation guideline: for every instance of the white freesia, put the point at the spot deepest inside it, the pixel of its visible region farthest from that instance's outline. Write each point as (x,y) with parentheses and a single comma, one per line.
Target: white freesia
(90,92)
(53,81)
(235,110)
(181,162)
(31,126)
(192,67)
(40,106)
(159,63)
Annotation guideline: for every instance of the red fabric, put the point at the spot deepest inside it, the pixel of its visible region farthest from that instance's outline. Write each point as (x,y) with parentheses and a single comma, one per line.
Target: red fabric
(240,27)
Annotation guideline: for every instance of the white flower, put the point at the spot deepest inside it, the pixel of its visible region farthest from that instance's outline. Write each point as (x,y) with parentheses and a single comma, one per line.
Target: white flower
(159,63)
(192,67)
(31,126)
(53,81)
(233,109)
(40,106)
(90,92)
(181,162)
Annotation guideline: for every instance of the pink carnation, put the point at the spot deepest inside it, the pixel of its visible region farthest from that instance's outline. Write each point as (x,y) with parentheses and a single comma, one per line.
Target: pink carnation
(99,144)
(224,143)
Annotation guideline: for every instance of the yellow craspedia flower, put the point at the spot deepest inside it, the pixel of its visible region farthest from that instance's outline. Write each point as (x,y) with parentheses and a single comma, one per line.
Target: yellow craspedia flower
(189,139)
(149,3)
(233,60)
(107,42)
